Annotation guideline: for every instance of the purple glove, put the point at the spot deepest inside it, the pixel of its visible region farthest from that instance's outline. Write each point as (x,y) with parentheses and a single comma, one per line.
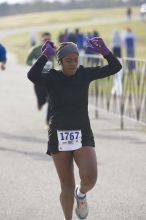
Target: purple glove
(48,49)
(98,46)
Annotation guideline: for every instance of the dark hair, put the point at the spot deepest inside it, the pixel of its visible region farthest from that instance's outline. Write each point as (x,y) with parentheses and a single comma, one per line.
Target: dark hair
(46,34)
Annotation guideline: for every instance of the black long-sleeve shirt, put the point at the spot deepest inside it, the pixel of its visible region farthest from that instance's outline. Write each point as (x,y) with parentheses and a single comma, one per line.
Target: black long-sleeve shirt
(68,96)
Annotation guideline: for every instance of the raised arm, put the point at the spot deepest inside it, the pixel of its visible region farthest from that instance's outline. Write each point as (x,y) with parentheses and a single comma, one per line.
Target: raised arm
(35,72)
(113,66)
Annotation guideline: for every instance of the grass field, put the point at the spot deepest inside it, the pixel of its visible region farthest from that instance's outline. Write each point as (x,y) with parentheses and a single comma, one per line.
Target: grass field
(55,22)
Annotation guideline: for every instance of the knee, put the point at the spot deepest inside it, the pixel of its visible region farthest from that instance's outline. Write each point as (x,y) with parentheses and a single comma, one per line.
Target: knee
(67,189)
(89,179)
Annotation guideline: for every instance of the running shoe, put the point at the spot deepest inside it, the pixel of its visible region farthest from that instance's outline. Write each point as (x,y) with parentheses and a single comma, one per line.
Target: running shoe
(82,206)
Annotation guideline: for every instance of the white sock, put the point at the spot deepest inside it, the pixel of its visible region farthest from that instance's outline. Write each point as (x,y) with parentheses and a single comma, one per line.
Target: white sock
(79,194)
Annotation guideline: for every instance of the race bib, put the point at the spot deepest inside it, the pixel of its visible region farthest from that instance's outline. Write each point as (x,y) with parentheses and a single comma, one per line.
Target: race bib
(69,140)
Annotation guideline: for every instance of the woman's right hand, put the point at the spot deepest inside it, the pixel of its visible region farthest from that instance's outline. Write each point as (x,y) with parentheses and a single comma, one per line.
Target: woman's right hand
(48,49)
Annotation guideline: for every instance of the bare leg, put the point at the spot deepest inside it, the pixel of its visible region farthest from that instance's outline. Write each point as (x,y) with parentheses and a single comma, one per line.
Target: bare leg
(64,166)
(86,161)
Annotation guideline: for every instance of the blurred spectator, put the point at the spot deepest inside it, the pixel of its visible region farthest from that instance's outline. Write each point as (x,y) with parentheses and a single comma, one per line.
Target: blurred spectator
(79,38)
(95,33)
(63,36)
(129,13)
(3,58)
(35,51)
(40,91)
(71,37)
(116,43)
(129,42)
(143,12)
(32,39)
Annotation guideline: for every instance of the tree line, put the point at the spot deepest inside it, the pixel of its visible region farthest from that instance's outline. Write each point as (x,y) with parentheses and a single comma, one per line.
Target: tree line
(42,6)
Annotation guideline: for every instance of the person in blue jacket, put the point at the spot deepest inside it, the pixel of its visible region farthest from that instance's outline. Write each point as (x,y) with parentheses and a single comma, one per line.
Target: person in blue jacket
(3,58)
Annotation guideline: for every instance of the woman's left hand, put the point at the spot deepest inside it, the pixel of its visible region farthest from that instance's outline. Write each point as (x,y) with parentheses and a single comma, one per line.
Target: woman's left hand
(98,45)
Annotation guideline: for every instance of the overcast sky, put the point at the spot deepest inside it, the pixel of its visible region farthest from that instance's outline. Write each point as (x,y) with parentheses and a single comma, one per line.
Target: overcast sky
(22,1)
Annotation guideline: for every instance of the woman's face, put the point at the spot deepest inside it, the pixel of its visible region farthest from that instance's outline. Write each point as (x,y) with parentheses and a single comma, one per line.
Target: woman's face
(69,64)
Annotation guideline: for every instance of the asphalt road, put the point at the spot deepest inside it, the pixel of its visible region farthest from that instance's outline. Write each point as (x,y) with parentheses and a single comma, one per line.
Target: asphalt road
(29,186)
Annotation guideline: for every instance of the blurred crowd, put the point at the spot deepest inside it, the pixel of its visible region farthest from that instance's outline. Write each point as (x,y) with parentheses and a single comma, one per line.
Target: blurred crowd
(120,40)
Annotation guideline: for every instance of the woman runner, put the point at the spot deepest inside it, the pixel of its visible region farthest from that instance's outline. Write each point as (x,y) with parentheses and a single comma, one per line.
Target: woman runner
(70,137)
